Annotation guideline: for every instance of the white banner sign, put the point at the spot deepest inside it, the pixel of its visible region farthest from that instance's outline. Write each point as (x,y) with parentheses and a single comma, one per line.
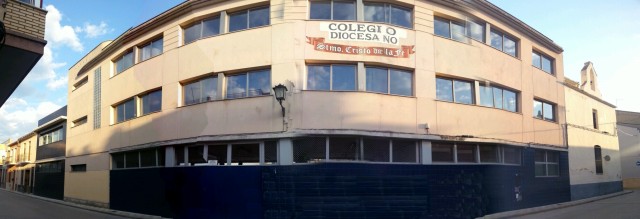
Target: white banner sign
(367,32)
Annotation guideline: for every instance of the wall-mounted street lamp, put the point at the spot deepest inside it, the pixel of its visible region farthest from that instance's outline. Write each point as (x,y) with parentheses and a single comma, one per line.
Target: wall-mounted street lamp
(280,92)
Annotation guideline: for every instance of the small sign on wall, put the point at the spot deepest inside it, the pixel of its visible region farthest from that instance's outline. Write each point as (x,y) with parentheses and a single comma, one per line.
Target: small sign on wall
(638,163)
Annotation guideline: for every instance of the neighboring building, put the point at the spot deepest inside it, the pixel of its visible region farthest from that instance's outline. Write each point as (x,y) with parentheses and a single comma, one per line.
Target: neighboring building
(4,146)
(629,137)
(594,157)
(22,154)
(49,171)
(21,41)
(403,114)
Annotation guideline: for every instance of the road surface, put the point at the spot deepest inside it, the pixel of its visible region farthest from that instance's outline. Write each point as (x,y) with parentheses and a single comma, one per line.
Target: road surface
(619,207)
(17,206)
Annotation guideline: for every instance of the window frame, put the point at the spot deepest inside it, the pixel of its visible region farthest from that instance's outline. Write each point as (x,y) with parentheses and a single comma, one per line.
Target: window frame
(331,7)
(141,99)
(122,103)
(359,154)
(248,12)
(201,86)
(201,29)
(546,163)
(493,100)
(81,83)
(80,121)
(78,167)
(150,44)
(449,22)
(543,56)
(388,70)
(248,82)
(47,137)
(504,35)
(477,155)
(542,104)
(121,57)
(331,77)
(599,164)
(478,22)
(387,10)
(453,90)
(159,153)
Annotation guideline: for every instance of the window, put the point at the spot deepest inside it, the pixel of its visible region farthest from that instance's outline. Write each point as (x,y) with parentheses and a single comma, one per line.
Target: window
(202,29)
(546,163)
(544,110)
(80,121)
(217,154)
(79,168)
(150,50)
(503,42)
(250,84)
(454,90)
(442,152)
(124,62)
(542,61)
(245,154)
(489,154)
(79,84)
(388,13)
(389,81)
(152,157)
(469,153)
(450,29)
(331,77)
(332,10)
(498,98)
(250,18)
(126,110)
(151,102)
(51,136)
(475,30)
(200,91)
(597,151)
(314,149)
(594,115)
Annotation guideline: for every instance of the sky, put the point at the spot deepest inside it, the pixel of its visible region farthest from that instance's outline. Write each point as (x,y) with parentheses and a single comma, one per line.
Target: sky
(605,33)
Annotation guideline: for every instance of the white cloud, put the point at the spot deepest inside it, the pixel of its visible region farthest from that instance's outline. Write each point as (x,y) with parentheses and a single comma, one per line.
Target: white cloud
(59,34)
(93,30)
(18,118)
(45,69)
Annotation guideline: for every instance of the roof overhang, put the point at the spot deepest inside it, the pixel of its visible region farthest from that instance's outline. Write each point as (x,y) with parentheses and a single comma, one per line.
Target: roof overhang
(51,123)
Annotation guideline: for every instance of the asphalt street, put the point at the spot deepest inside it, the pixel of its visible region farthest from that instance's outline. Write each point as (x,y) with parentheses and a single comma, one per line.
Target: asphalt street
(17,206)
(619,207)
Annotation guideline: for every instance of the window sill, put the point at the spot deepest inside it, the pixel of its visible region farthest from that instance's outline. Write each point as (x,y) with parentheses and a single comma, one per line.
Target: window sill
(550,73)
(116,74)
(142,61)
(542,177)
(550,121)
(221,34)
(446,101)
(50,143)
(359,91)
(240,98)
(451,39)
(516,112)
(136,117)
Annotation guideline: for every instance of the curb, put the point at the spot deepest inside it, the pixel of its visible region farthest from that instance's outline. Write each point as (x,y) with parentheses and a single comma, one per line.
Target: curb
(527,211)
(91,208)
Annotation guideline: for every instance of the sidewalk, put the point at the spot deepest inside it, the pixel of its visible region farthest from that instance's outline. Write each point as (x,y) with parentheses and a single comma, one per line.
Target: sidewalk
(529,211)
(90,208)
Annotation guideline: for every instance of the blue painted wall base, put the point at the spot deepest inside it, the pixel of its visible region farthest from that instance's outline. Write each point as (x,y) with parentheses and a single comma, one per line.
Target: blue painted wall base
(336,190)
(582,191)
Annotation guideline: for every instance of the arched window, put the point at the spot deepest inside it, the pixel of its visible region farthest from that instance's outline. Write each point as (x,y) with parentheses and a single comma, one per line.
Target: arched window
(598,157)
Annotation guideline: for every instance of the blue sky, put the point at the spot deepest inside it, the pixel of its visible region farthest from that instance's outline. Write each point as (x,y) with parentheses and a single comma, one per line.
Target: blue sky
(605,33)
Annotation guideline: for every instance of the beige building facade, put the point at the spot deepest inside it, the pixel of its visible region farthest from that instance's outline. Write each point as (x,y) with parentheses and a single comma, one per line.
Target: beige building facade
(449,82)
(594,152)
(21,156)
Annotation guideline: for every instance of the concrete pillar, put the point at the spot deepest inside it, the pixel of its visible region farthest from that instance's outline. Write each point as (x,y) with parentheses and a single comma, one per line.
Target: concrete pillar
(169,157)
(285,151)
(221,91)
(362,77)
(223,22)
(359,10)
(425,149)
